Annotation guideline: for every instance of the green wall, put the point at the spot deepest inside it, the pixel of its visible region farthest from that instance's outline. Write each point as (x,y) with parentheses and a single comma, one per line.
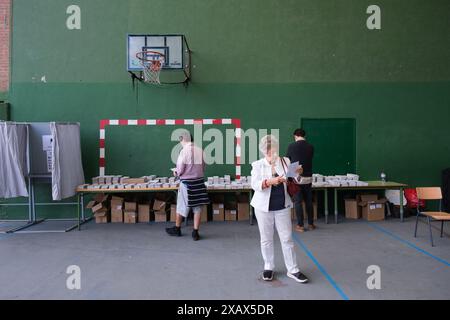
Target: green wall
(267,62)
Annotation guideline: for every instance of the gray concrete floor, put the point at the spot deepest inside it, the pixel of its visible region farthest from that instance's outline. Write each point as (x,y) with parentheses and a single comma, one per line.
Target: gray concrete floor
(120,261)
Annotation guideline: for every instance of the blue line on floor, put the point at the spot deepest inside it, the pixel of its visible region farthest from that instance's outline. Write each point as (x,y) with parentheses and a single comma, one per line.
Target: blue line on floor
(375,226)
(319,266)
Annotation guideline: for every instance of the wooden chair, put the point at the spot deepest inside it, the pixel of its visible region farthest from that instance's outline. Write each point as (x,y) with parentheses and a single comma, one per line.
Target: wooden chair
(431,193)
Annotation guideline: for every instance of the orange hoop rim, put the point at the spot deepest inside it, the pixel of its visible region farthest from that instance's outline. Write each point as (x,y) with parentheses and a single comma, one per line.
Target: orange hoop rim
(140,56)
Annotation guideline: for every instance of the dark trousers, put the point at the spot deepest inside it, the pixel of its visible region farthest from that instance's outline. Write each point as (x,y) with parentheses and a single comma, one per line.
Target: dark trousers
(305,194)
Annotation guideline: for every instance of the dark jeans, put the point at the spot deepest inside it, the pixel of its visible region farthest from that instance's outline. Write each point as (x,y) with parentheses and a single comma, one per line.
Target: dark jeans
(305,194)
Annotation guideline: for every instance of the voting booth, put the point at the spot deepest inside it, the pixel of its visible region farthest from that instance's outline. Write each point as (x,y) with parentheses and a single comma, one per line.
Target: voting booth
(40,153)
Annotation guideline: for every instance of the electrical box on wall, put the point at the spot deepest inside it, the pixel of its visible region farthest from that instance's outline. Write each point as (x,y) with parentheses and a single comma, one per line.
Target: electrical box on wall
(4,111)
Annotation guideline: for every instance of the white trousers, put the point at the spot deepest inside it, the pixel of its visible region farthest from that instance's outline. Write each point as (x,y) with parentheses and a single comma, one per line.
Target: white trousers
(282,221)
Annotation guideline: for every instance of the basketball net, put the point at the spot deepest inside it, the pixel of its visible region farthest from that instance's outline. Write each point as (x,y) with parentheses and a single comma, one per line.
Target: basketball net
(152,63)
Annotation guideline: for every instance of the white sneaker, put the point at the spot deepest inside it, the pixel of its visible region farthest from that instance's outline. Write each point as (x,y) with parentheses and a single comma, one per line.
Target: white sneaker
(299,277)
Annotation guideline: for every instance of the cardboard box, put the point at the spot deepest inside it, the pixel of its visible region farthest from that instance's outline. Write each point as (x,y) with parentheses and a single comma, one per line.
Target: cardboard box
(116,203)
(144,213)
(102,216)
(231,211)
(243,207)
(173,212)
(100,197)
(130,217)
(352,209)
(130,206)
(98,207)
(218,212)
(230,215)
(204,214)
(373,211)
(90,204)
(160,216)
(372,208)
(116,216)
(159,205)
(367,197)
(243,211)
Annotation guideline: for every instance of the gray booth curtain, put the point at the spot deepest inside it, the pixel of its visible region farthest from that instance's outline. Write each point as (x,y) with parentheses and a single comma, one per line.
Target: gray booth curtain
(13,160)
(67,171)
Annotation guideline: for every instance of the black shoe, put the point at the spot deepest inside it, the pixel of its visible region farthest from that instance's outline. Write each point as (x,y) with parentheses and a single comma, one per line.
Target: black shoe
(174,231)
(267,275)
(299,277)
(195,235)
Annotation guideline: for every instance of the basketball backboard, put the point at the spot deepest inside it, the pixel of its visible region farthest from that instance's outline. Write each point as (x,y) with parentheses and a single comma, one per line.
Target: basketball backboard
(171,46)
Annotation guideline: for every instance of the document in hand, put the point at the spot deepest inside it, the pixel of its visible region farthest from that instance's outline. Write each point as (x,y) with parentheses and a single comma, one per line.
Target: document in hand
(292,170)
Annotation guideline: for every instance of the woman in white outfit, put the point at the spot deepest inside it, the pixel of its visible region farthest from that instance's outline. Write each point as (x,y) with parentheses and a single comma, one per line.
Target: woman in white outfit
(272,206)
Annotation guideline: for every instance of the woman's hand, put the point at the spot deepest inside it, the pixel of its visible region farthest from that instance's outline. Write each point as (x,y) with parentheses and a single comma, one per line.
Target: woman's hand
(276,181)
(299,170)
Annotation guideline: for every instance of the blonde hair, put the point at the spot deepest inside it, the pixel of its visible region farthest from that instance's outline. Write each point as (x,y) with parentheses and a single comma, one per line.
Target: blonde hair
(268,142)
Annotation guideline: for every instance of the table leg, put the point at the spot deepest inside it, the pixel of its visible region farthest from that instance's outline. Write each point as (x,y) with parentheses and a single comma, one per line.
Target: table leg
(401,204)
(335,206)
(250,208)
(78,211)
(83,218)
(30,203)
(325,193)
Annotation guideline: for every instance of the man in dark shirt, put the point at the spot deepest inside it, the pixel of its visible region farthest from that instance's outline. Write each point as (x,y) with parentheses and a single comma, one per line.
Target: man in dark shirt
(303,152)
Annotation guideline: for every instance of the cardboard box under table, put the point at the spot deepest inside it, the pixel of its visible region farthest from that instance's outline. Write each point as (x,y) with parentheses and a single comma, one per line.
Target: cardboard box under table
(173,212)
(352,209)
(130,217)
(218,211)
(231,211)
(243,207)
(159,208)
(160,216)
(372,208)
(218,207)
(143,213)
(116,209)
(102,216)
(204,213)
(131,206)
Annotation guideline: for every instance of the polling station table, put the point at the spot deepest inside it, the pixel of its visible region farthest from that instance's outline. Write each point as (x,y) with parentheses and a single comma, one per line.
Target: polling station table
(372,185)
(81,192)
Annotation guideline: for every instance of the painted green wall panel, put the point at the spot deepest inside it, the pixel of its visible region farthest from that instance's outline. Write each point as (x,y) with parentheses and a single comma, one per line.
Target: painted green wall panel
(236,41)
(393,121)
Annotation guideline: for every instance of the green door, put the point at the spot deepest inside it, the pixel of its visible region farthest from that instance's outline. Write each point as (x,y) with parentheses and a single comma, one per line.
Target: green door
(334,142)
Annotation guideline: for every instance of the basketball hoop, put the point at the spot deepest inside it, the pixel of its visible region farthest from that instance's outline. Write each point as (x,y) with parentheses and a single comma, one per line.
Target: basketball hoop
(152,62)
